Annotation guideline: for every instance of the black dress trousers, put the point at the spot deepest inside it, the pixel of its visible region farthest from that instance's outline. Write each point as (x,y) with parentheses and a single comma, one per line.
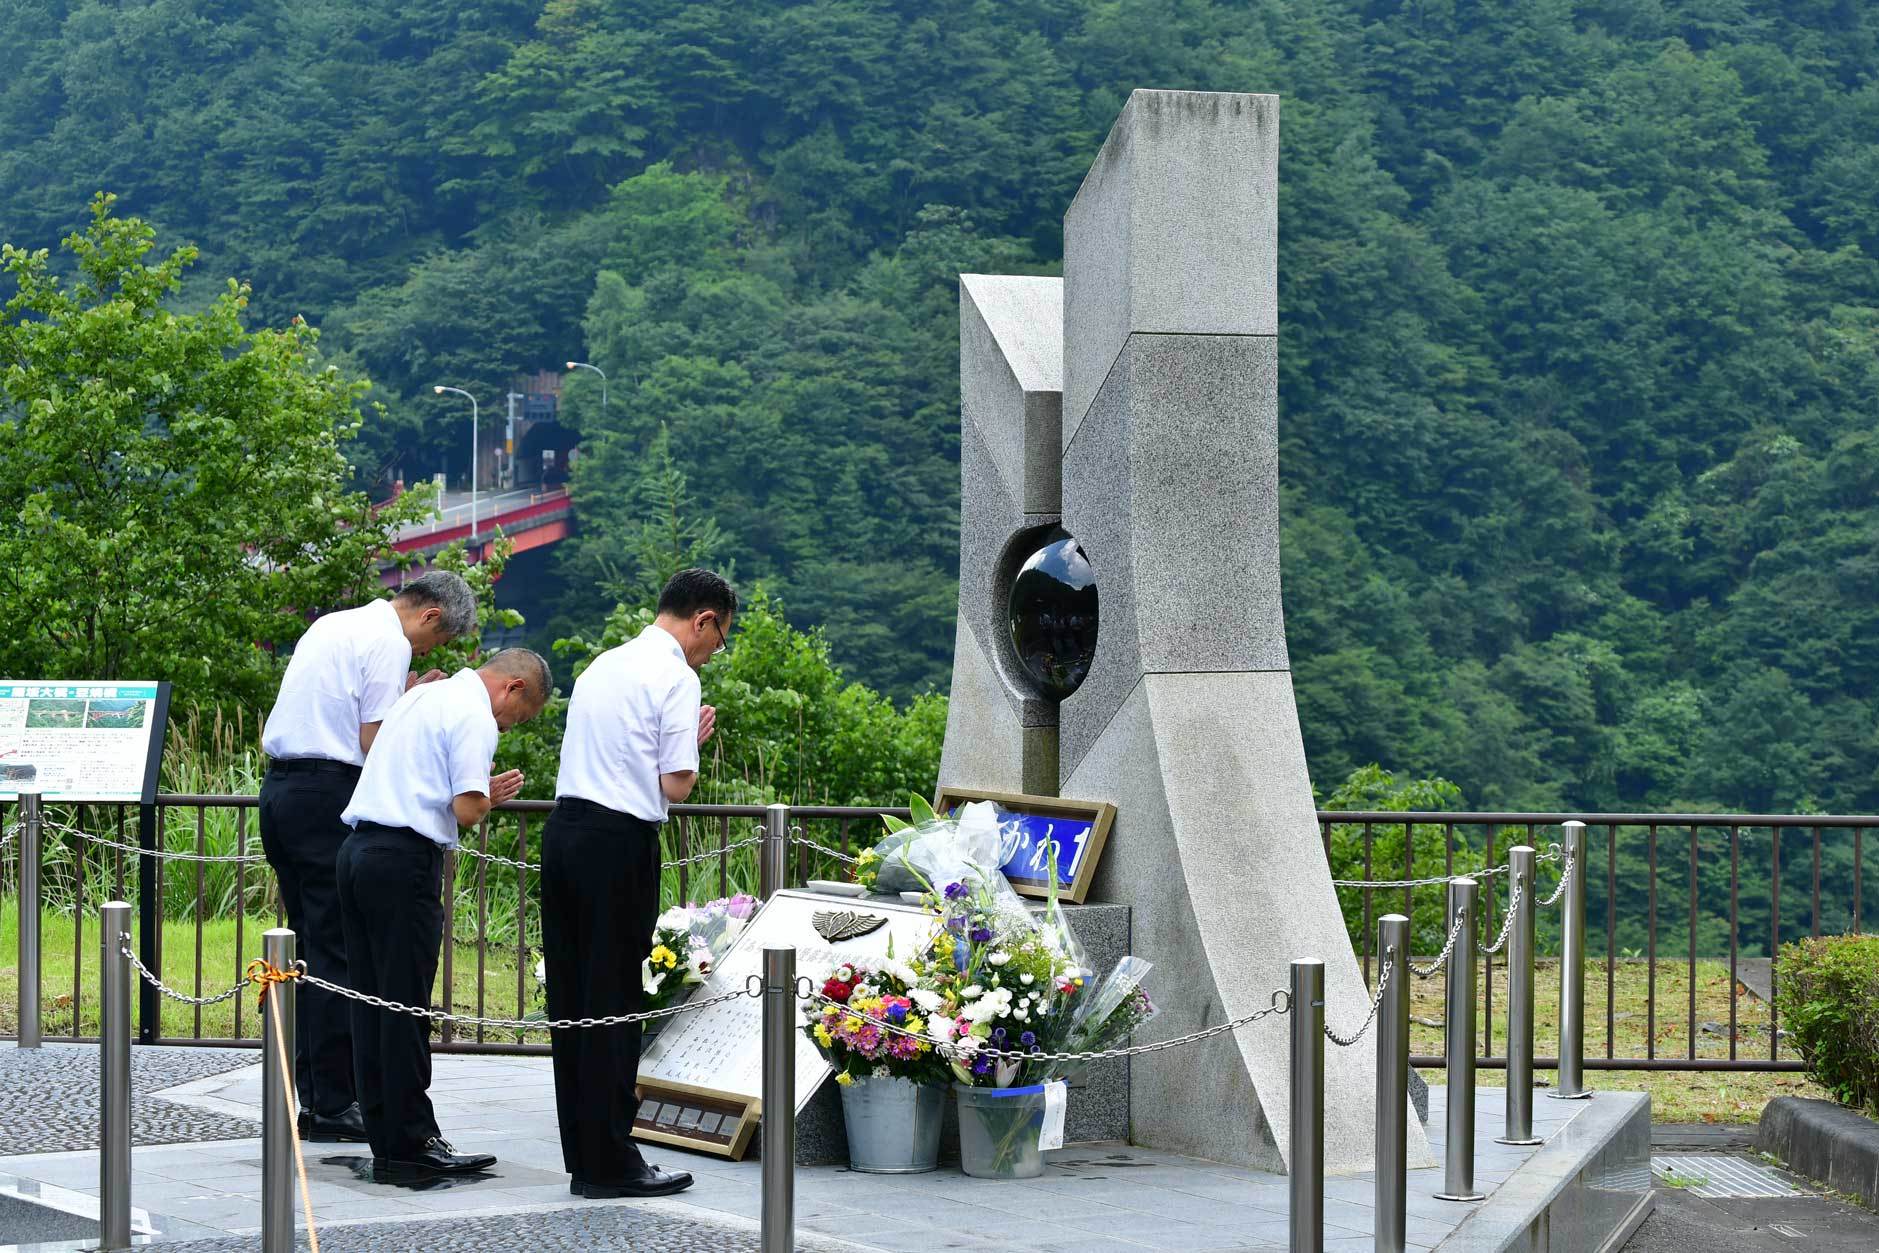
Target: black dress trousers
(301,833)
(600,899)
(390,885)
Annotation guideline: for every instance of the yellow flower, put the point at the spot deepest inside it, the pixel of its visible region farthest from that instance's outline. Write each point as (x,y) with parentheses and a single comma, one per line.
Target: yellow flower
(663,956)
(844,1078)
(853,1024)
(823,1037)
(914,1024)
(868,855)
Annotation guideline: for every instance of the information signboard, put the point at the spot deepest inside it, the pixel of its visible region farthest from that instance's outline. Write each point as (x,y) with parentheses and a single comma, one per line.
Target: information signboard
(701,1077)
(1032,824)
(82,741)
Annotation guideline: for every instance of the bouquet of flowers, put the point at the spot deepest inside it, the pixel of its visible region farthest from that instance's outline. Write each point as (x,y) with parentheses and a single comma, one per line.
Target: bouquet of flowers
(1014,983)
(847,1032)
(686,942)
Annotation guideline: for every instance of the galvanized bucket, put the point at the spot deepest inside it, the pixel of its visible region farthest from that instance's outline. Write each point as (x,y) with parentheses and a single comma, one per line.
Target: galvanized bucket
(893,1125)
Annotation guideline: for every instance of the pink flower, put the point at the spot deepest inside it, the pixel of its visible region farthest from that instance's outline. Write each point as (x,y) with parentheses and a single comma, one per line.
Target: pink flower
(741,906)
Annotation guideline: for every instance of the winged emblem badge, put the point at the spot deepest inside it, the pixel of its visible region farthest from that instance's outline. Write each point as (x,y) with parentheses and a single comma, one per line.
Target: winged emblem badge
(836,925)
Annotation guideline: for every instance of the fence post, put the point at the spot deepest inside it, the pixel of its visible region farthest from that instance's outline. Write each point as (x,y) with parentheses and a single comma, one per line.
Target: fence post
(779,1096)
(279,1107)
(1392,1189)
(32,828)
(1521,862)
(114,980)
(773,853)
(1571,1086)
(1458,1172)
(1307,1105)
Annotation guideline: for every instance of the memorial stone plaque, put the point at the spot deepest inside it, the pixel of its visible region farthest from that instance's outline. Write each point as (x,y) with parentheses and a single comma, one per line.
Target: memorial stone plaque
(701,1078)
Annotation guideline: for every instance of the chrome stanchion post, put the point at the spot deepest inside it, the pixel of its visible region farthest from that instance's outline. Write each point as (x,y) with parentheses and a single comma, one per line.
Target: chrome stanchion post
(779,1098)
(1307,1105)
(114,980)
(279,1106)
(32,828)
(1392,1193)
(1571,1086)
(773,853)
(1521,861)
(1458,1172)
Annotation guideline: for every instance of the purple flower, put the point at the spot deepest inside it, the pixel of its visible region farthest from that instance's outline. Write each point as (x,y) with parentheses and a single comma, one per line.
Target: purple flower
(741,906)
(1028,1039)
(979,935)
(897,1013)
(955,925)
(982,1066)
(998,1034)
(955,891)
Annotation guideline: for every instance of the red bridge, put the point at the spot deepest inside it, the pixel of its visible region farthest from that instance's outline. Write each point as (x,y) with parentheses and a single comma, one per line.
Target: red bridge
(530,519)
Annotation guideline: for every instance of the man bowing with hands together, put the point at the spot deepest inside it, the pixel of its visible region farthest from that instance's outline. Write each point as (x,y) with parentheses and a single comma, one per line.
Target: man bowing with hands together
(631,749)
(427,775)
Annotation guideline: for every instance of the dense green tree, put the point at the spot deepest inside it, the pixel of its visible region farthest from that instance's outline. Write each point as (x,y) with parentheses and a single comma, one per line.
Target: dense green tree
(1579,315)
(173,487)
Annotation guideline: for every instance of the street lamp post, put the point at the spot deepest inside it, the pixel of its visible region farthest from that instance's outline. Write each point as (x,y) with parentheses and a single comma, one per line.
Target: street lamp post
(582,365)
(440,389)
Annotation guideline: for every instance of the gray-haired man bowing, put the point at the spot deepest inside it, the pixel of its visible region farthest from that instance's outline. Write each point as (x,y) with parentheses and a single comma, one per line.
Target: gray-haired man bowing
(346,673)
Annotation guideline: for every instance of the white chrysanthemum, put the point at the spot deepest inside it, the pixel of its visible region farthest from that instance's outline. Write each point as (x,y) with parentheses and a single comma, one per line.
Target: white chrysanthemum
(677,918)
(972,992)
(943,1029)
(999,958)
(928,1000)
(1027,979)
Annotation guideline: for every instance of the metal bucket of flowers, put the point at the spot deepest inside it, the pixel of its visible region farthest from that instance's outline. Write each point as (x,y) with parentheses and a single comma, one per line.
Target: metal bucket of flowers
(872,1029)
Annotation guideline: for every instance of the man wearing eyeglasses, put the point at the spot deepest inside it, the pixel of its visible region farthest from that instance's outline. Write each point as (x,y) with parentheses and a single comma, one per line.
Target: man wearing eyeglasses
(634,729)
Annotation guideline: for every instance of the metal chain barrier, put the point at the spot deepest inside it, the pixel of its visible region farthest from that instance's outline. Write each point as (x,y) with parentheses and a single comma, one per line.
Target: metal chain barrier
(1281,1003)
(1552,854)
(712,854)
(1565,880)
(797,837)
(160,854)
(124,949)
(1433,968)
(1507,923)
(752,988)
(1383,981)
(6,837)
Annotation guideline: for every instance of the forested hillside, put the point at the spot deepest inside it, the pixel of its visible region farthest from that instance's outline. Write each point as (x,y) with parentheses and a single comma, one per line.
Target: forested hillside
(1579,314)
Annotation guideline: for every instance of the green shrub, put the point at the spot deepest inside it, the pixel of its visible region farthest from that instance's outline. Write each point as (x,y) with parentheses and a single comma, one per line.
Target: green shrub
(1828,993)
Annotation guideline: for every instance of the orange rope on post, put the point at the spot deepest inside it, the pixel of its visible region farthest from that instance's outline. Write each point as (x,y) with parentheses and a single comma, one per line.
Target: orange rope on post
(265,974)
(261,974)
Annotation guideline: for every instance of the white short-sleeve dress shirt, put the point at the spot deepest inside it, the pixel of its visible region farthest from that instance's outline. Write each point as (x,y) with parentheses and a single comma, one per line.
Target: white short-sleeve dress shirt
(348,669)
(632,718)
(436,745)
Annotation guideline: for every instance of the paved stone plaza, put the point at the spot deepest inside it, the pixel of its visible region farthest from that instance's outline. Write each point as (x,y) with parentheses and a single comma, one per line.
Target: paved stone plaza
(1099,1198)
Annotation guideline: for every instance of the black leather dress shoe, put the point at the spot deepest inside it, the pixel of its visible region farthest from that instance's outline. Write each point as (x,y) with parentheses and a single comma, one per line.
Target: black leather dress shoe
(648,1181)
(577,1186)
(438,1158)
(345,1127)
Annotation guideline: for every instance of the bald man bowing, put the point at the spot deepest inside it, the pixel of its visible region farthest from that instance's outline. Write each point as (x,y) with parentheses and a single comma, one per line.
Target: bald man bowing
(428,774)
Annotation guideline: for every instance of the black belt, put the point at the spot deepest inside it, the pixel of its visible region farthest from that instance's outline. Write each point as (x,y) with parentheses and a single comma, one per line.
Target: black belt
(582,808)
(316,765)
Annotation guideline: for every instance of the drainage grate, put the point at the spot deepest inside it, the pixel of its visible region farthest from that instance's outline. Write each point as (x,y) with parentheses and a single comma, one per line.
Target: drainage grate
(1714,1175)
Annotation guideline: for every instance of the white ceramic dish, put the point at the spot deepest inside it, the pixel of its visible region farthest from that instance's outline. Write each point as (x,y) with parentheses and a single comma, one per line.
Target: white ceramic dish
(830,887)
(913,898)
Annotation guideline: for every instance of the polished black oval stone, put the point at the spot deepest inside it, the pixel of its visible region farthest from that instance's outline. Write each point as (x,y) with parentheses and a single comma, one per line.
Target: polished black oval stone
(1053,616)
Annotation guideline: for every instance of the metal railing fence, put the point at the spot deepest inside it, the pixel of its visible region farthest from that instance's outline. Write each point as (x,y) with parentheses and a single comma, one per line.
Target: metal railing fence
(1657,881)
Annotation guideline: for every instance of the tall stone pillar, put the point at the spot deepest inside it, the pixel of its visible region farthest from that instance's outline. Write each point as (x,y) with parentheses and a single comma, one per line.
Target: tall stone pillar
(1156,447)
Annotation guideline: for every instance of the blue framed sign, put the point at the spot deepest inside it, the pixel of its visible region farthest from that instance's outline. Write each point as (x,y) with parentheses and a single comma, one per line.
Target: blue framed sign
(1038,825)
